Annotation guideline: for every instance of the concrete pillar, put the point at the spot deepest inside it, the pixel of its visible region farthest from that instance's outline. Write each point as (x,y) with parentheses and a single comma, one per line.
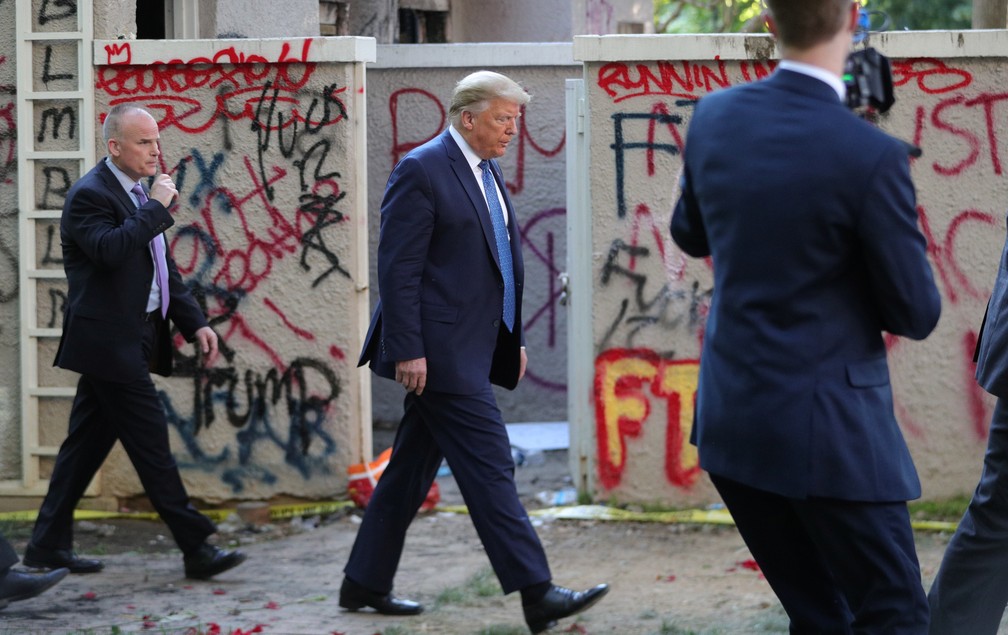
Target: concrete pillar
(990,14)
(260,19)
(375,18)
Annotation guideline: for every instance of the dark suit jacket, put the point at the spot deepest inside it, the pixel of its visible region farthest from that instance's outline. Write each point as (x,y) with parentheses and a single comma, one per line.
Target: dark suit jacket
(991,357)
(109,269)
(439,280)
(809,216)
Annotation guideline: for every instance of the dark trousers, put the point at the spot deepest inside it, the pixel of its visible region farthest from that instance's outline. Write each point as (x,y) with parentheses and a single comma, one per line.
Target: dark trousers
(8,557)
(103,412)
(970,591)
(469,432)
(836,566)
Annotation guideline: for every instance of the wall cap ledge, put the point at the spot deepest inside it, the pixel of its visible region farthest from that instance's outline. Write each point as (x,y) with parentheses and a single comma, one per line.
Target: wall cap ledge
(234,51)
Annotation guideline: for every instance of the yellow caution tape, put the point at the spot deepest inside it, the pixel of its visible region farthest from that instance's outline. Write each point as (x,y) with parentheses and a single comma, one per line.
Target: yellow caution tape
(700,516)
(572,512)
(217,515)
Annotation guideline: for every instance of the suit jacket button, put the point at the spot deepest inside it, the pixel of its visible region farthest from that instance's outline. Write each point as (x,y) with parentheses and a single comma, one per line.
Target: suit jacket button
(496,324)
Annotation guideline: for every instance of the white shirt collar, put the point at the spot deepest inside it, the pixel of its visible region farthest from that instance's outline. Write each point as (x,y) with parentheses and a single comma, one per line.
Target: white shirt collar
(474,160)
(817,72)
(467,150)
(121,176)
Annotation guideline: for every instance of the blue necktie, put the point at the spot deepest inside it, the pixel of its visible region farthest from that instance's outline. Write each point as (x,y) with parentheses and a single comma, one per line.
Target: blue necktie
(160,261)
(503,244)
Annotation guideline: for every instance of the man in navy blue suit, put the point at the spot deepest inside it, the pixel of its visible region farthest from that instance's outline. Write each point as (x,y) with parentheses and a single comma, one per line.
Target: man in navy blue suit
(447,325)
(808,214)
(970,591)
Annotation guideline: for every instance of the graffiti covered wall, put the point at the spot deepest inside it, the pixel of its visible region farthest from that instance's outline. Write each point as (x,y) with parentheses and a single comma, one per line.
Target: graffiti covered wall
(650,299)
(263,139)
(408,98)
(10,386)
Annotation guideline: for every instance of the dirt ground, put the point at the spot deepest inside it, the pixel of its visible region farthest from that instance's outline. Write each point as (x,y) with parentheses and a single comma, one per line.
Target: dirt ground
(664,578)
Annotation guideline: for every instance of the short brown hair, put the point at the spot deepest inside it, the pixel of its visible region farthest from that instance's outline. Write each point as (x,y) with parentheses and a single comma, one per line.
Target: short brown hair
(801,24)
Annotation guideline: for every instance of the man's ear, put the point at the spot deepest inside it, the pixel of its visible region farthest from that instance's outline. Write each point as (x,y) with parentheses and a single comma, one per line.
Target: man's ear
(855,13)
(771,25)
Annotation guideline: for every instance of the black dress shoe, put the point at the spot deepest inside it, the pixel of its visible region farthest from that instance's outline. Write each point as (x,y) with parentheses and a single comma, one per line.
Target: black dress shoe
(208,561)
(39,558)
(559,603)
(19,585)
(353,596)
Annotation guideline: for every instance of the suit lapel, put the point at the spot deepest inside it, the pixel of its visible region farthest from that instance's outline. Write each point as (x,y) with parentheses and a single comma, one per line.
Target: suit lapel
(113,184)
(467,178)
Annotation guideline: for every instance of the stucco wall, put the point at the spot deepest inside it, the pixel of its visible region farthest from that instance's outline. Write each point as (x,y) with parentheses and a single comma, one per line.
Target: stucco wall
(10,423)
(263,139)
(650,300)
(409,89)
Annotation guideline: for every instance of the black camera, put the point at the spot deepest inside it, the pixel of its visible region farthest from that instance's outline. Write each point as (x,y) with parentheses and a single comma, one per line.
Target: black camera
(868,77)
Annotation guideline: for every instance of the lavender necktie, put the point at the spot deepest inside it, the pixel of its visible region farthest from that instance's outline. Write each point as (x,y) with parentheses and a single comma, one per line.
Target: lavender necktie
(160,262)
(503,244)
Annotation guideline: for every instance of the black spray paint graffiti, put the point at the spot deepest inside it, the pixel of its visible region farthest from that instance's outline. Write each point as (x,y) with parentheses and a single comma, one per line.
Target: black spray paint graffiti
(620,145)
(56,117)
(55,10)
(287,406)
(47,74)
(57,184)
(665,309)
(286,410)
(270,118)
(9,257)
(313,240)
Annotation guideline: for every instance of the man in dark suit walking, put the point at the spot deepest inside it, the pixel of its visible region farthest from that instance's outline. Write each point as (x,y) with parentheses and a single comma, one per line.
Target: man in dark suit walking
(809,216)
(970,591)
(123,289)
(447,325)
(20,585)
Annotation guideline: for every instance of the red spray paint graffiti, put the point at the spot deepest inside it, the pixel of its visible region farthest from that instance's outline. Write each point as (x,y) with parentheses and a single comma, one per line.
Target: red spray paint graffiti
(626,381)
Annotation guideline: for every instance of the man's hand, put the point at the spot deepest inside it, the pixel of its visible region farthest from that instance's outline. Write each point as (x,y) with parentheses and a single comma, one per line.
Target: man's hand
(207,340)
(523,365)
(412,374)
(163,189)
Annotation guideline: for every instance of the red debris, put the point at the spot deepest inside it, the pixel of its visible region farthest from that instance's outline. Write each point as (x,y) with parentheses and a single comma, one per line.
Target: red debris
(748,564)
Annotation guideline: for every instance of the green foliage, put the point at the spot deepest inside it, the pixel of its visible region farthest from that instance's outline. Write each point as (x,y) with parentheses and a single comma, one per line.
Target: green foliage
(742,16)
(949,509)
(922,15)
(707,16)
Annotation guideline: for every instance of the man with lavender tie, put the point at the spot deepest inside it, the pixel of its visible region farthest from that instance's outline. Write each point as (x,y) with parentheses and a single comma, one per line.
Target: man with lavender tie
(123,289)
